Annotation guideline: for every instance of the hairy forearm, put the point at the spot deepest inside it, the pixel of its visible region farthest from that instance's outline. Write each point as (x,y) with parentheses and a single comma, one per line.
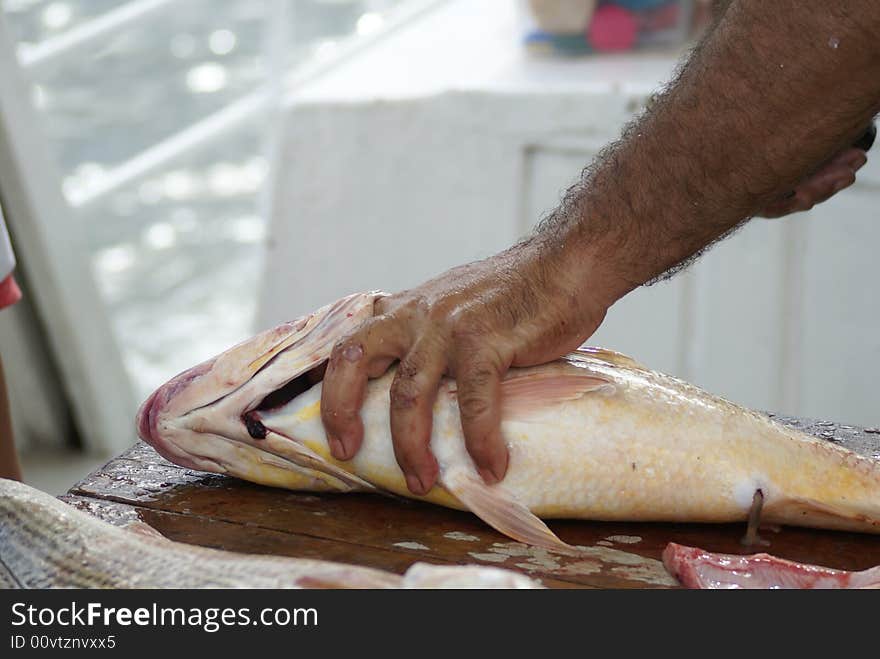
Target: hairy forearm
(719,6)
(774,89)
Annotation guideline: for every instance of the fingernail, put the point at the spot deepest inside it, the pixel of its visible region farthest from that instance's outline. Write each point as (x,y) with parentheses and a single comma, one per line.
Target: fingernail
(499,469)
(488,476)
(415,485)
(336,448)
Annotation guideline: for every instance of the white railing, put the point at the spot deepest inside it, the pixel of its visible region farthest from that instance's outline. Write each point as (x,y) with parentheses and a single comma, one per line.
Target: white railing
(51,50)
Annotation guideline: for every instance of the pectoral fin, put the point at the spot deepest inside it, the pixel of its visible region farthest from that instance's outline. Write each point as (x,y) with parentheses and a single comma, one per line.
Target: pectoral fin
(524,395)
(499,509)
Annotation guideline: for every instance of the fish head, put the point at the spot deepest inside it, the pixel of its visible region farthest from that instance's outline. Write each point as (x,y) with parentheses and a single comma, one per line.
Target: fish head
(204,417)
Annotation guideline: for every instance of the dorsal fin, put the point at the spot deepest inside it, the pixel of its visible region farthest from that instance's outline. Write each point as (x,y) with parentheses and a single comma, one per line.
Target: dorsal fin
(605,355)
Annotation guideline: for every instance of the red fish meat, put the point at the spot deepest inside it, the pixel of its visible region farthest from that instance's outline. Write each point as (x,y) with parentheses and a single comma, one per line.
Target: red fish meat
(696,568)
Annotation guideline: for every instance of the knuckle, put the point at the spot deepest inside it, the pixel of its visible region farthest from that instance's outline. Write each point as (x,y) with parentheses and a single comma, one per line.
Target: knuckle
(338,347)
(388,302)
(405,392)
(468,341)
(478,377)
(414,306)
(466,330)
(346,348)
(472,406)
(462,334)
(375,324)
(405,371)
(409,368)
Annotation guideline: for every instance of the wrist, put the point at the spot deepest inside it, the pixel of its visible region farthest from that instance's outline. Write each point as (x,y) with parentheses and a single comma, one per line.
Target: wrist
(579,268)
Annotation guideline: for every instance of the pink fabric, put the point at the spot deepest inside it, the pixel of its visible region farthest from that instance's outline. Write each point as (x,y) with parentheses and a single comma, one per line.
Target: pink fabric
(10,293)
(612,29)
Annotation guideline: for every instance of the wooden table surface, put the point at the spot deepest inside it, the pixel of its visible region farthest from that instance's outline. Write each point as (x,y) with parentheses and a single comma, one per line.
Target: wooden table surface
(391,533)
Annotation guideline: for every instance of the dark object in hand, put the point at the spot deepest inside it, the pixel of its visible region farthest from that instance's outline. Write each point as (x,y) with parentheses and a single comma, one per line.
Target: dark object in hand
(866,141)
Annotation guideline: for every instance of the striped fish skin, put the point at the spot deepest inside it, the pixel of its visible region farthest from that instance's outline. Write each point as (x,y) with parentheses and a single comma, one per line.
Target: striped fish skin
(45,543)
(592,436)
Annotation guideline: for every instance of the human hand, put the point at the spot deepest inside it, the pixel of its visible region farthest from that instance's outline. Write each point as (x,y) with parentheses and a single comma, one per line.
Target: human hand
(832,177)
(522,307)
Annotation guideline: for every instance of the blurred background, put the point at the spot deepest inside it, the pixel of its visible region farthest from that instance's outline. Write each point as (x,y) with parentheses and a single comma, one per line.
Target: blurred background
(178,174)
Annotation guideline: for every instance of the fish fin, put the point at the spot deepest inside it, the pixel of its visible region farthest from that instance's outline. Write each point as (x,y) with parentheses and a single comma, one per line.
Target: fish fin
(523,395)
(275,350)
(605,355)
(497,506)
(308,459)
(802,511)
(355,307)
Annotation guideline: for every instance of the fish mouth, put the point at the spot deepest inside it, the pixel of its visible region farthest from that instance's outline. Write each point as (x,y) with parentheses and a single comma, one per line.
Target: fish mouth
(207,418)
(252,419)
(153,410)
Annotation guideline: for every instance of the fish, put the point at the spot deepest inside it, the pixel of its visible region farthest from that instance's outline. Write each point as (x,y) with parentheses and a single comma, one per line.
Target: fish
(46,543)
(593,436)
(697,568)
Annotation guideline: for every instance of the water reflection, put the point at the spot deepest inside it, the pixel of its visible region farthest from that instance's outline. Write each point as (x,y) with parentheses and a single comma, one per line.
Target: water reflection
(206,78)
(222,42)
(57,15)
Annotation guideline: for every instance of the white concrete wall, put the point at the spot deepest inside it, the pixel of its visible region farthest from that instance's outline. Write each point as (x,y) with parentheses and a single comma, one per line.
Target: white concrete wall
(388,176)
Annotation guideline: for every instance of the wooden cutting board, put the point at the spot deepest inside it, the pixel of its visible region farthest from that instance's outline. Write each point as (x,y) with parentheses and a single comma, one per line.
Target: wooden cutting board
(392,533)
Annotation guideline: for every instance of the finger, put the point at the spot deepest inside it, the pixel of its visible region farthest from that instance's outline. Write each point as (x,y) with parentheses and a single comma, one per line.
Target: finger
(853,158)
(834,176)
(778,208)
(413,393)
(478,377)
(354,359)
(796,202)
(825,184)
(845,165)
(818,188)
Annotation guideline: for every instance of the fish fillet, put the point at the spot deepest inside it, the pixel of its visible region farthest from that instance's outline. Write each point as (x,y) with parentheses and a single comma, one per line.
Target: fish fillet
(696,568)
